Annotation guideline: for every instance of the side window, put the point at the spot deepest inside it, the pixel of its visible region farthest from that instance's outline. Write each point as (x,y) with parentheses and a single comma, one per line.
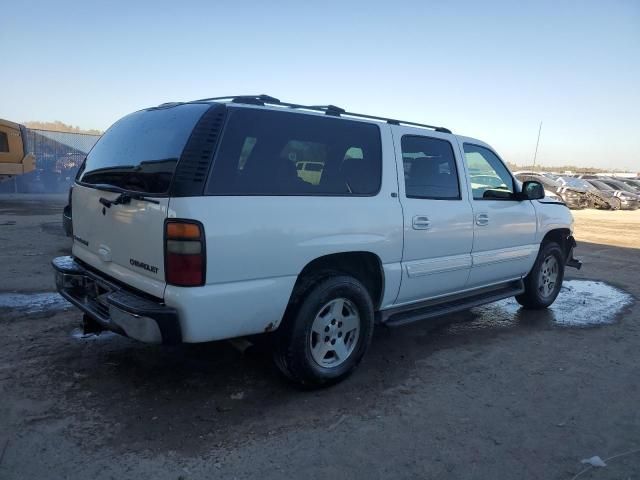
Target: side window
(4,143)
(490,179)
(267,152)
(429,168)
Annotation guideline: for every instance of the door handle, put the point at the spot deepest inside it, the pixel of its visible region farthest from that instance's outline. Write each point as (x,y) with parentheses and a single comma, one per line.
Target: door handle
(482,219)
(421,222)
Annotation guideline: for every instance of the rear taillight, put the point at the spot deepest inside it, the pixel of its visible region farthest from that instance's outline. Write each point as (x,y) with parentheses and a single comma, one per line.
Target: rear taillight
(184,253)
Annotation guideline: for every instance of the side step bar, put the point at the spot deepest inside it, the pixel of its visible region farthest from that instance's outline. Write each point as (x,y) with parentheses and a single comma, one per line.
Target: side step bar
(449,305)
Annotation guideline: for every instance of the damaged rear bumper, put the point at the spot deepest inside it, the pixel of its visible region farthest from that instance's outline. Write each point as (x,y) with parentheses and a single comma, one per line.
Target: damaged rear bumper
(115,307)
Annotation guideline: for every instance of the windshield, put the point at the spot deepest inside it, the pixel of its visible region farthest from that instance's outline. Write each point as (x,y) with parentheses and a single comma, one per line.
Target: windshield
(632,183)
(140,151)
(600,185)
(621,186)
(576,183)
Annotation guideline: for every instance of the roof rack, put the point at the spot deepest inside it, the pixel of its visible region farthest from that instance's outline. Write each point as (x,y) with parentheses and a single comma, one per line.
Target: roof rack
(327,109)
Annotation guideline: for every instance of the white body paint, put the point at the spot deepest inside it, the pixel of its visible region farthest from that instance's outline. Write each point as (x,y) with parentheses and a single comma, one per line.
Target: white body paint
(256,246)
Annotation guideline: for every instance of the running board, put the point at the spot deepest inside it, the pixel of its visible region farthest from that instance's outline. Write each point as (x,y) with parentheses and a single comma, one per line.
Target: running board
(446,306)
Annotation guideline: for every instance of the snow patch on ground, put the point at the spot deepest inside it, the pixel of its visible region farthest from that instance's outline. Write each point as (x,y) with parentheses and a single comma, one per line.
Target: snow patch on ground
(581,303)
(33,302)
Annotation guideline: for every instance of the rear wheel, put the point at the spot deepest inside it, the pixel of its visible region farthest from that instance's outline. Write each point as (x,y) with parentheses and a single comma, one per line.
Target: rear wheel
(326,333)
(543,283)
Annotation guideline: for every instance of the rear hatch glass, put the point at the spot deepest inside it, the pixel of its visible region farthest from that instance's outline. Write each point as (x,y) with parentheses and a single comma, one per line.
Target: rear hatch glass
(140,152)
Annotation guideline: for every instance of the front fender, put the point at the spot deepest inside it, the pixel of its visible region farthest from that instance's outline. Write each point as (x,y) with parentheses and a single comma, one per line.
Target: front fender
(552,216)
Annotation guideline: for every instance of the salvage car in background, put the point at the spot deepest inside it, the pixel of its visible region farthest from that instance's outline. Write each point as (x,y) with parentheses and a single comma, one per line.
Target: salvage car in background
(575,198)
(617,184)
(600,199)
(632,182)
(620,198)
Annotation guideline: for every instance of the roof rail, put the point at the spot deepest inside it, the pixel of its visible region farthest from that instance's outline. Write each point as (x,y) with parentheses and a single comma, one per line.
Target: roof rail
(327,109)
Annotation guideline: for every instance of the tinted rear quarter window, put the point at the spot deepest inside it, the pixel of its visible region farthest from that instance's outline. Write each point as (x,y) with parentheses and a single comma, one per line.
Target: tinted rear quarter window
(267,152)
(140,151)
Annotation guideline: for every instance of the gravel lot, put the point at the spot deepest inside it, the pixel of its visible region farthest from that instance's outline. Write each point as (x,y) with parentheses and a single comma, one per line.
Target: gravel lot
(492,393)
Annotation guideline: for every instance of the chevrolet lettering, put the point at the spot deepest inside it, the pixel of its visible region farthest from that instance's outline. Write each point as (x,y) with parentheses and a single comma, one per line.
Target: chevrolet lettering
(146,266)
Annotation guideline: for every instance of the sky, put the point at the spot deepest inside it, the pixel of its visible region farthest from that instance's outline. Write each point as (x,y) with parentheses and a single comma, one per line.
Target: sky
(487,69)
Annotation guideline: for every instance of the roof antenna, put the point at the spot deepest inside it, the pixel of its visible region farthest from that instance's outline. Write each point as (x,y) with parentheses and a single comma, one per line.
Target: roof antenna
(537,143)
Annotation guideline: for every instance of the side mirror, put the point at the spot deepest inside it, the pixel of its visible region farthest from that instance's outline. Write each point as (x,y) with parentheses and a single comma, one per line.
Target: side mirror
(532,190)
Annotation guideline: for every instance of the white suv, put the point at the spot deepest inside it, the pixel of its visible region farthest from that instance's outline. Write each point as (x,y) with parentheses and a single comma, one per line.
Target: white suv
(194,222)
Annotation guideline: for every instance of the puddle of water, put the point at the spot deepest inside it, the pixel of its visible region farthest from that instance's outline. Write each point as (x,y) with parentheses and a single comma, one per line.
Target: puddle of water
(33,302)
(581,303)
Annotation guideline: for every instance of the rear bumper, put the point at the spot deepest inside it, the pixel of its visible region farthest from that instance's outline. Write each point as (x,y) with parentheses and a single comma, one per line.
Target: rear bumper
(114,307)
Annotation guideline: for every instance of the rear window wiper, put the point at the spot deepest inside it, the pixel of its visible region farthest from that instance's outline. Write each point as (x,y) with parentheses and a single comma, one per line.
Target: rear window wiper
(124,198)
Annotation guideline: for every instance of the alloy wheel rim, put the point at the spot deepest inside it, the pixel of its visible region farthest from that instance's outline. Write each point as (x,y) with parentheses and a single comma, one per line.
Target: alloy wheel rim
(334,333)
(548,276)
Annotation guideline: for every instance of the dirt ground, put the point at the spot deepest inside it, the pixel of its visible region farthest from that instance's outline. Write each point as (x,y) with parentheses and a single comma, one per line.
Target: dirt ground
(482,395)
(620,229)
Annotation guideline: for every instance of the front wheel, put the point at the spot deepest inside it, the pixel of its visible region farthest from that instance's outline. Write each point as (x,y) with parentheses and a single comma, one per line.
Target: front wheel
(544,281)
(616,204)
(326,333)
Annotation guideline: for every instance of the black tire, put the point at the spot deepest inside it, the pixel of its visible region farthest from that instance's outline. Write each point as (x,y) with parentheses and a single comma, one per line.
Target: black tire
(536,295)
(293,340)
(616,203)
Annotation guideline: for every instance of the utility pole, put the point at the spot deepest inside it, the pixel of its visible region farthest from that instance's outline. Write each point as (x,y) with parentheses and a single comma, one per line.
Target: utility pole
(537,143)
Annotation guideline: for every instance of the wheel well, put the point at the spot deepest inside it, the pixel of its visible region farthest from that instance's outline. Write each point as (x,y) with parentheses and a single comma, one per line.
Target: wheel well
(364,266)
(559,236)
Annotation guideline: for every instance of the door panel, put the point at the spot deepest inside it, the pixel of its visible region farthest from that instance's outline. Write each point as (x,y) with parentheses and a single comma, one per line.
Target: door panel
(438,221)
(504,244)
(504,247)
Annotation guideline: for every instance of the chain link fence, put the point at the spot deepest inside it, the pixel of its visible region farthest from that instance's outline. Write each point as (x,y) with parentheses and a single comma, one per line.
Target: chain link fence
(58,157)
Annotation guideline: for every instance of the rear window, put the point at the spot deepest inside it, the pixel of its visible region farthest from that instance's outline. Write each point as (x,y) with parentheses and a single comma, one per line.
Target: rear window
(140,152)
(4,142)
(314,167)
(266,152)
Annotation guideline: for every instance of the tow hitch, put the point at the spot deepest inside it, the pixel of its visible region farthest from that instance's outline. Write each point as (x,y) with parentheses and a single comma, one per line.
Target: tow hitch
(90,326)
